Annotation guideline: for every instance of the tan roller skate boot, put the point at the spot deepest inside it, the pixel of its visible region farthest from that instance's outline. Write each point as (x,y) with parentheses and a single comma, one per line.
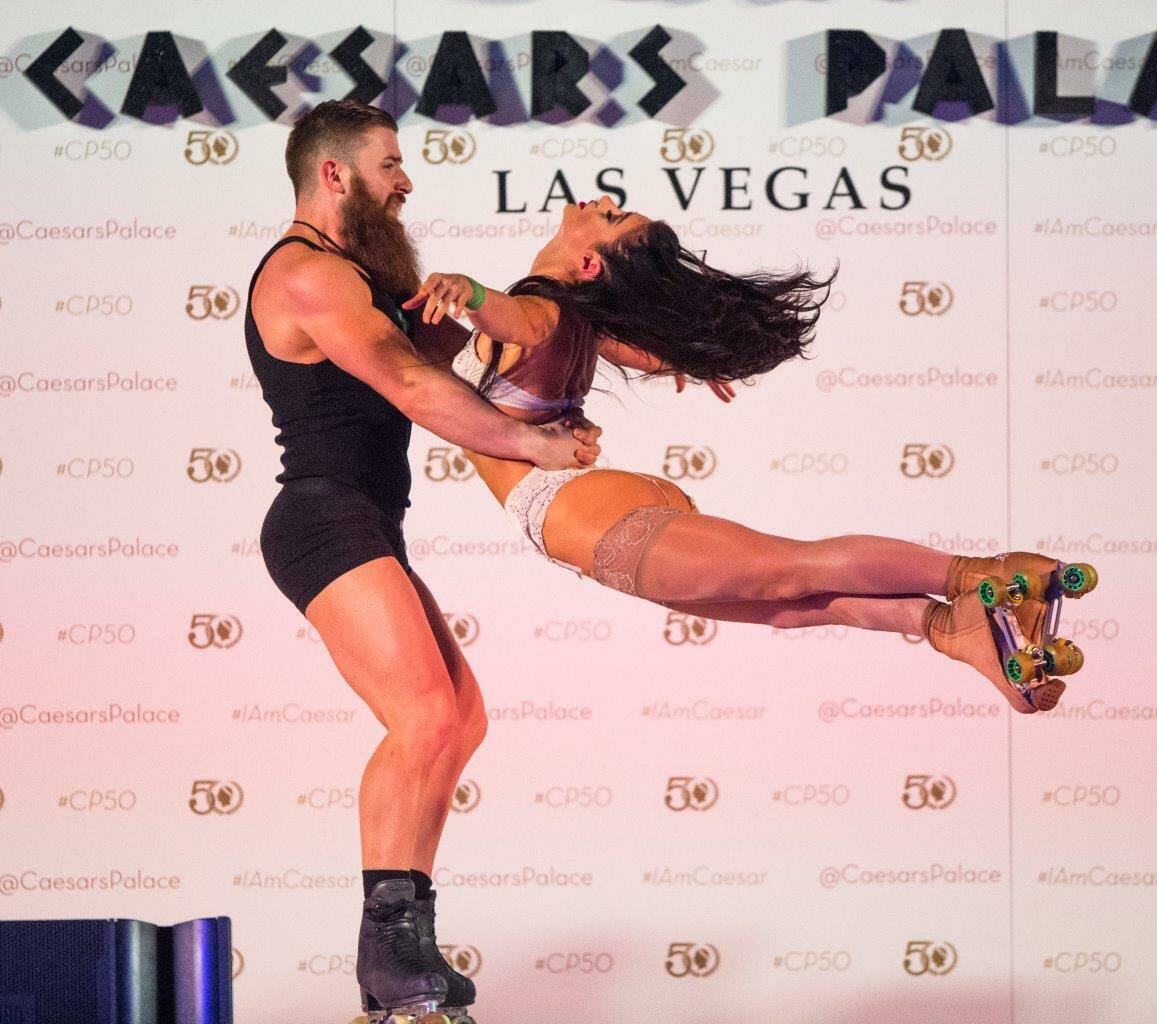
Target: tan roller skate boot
(1031,587)
(990,639)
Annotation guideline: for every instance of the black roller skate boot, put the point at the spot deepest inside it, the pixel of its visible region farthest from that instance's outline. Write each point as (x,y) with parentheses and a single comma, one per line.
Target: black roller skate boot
(461,993)
(397,984)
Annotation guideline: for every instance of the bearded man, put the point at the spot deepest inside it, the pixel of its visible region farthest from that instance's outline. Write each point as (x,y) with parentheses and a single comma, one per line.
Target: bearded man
(345,373)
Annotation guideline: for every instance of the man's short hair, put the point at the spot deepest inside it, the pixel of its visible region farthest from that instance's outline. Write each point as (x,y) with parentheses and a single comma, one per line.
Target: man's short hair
(332,129)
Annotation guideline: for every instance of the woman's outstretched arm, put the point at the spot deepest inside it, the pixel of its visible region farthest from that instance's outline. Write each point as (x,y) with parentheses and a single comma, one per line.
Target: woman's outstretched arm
(622,354)
(522,320)
(630,357)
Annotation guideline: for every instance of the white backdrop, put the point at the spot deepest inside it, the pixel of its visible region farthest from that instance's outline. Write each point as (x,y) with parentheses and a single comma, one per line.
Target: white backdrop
(670,817)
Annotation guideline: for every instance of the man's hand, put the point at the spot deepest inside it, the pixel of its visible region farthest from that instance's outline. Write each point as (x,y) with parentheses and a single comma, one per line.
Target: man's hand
(586,432)
(723,389)
(443,293)
(558,450)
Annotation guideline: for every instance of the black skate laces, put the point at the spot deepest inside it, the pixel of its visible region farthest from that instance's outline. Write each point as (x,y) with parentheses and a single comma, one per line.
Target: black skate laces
(394,922)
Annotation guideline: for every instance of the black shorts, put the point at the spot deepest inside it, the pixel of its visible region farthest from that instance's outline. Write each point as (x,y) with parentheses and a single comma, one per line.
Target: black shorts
(316,529)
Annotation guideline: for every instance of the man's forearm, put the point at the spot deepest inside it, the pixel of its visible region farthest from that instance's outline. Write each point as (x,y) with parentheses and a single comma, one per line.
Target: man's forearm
(444,405)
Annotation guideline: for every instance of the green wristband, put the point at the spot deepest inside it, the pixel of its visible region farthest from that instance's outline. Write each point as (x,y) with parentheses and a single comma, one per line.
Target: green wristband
(477,295)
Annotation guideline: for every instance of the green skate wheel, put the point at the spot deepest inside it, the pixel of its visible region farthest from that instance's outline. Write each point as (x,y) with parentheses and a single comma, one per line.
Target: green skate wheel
(1019,667)
(1078,578)
(993,591)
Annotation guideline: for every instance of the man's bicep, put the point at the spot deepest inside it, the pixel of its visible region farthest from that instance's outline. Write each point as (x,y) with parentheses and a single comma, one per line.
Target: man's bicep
(341,321)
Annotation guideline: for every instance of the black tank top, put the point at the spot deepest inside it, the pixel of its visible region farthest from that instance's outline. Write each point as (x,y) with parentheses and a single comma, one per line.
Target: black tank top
(330,423)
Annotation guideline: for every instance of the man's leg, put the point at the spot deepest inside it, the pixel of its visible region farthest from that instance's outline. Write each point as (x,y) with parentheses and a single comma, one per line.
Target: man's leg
(448,770)
(376,630)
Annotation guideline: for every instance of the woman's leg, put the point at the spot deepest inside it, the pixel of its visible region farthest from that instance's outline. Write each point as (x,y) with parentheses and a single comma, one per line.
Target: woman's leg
(890,613)
(705,558)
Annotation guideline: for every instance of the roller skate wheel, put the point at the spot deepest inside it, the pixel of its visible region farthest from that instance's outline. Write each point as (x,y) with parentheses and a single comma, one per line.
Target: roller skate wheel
(1078,578)
(993,591)
(1019,668)
(1027,585)
(1062,658)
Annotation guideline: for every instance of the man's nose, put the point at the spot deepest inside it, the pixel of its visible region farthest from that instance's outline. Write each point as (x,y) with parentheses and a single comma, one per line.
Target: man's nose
(405,185)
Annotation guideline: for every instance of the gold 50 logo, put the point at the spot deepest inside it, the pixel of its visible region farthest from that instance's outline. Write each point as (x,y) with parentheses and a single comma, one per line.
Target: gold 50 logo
(932,298)
(933,791)
(464,627)
(692,145)
(238,962)
(682,628)
(467,796)
(444,463)
(688,793)
(209,630)
(692,959)
(924,142)
(465,960)
(922,459)
(448,145)
(211,146)
(924,956)
(213,796)
(215,301)
(221,465)
(688,460)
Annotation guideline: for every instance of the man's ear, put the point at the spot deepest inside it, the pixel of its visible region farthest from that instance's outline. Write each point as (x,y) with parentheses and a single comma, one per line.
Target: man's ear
(333,176)
(590,266)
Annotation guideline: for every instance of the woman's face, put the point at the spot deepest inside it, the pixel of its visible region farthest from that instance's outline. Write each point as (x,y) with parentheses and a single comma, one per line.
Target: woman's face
(587,226)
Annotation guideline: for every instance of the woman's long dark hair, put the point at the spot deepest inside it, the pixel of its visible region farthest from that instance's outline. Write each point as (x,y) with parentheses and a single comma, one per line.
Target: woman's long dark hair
(660,297)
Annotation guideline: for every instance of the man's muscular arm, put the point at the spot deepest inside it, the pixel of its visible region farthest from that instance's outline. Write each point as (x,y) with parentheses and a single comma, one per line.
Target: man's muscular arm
(441,342)
(331,304)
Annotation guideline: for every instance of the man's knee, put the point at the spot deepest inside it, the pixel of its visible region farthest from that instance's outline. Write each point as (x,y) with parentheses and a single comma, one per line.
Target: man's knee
(474,727)
(471,712)
(428,726)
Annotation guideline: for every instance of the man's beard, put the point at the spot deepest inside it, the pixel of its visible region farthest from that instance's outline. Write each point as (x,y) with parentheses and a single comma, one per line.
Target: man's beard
(377,240)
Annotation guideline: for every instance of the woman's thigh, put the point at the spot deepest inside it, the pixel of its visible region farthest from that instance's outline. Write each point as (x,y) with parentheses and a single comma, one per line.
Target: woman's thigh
(377,631)
(587,506)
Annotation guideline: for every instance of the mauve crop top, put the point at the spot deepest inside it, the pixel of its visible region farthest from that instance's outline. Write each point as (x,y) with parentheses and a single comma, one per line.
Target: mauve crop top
(554,376)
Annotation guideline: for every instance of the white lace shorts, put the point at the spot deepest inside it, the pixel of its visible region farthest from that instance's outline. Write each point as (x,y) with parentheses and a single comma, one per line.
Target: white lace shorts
(528,500)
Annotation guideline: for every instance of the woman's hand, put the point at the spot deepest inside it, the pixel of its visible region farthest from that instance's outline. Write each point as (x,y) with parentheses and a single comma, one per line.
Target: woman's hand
(443,293)
(723,389)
